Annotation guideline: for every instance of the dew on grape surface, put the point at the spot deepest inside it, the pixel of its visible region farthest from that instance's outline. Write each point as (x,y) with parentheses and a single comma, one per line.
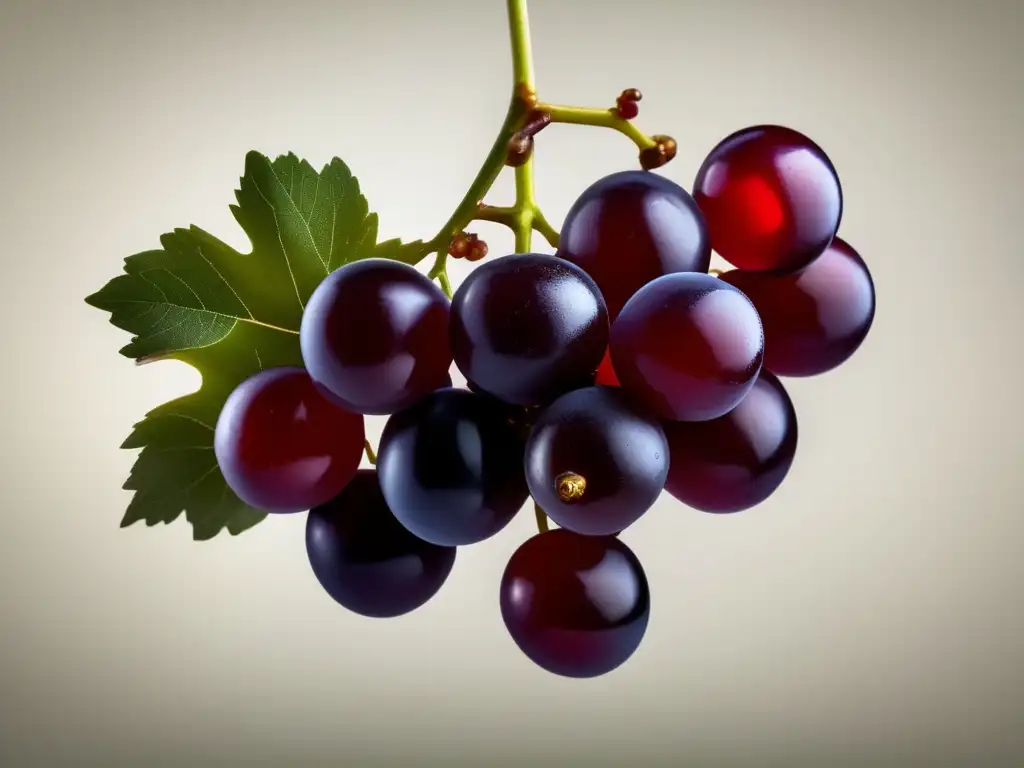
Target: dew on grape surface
(374,335)
(366,560)
(595,462)
(527,327)
(282,446)
(577,606)
(771,198)
(631,227)
(689,346)
(814,320)
(738,460)
(451,467)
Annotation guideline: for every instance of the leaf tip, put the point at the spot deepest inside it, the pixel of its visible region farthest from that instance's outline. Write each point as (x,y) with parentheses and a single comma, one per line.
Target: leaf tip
(147,359)
(255,156)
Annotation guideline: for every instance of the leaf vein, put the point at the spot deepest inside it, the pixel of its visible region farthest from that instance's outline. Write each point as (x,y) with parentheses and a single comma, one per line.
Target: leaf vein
(280,240)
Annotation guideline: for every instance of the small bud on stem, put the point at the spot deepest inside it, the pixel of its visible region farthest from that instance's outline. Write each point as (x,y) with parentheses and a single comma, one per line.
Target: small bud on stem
(520,146)
(662,152)
(626,103)
(477,250)
(468,246)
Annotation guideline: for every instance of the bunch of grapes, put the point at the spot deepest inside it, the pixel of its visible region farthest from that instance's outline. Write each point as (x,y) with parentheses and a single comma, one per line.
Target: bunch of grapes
(596,378)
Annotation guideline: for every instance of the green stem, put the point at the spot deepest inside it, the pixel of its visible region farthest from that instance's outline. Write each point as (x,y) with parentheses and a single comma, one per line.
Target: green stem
(507,215)
(542,518)
(522,94)
(371,456)
(526,206)
(522,48)
(541,225)
(485,178)
(600,118)
(525,217)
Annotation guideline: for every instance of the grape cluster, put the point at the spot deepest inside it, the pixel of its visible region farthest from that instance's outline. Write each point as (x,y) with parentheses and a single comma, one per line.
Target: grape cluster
(596,378)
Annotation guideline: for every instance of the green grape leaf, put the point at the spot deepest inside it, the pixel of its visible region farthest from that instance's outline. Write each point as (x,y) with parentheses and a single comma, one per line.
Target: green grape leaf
(409,253)
(230,315)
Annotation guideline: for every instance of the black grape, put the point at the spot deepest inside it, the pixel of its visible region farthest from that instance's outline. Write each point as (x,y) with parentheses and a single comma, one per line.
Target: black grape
(451,467)
(595,461)
(366,560)
(528,327)
(630,228)
(374,335)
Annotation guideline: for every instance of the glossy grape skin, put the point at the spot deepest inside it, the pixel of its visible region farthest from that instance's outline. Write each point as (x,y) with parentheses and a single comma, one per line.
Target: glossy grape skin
(451,467)
(282,446)
(366,560)
(816,319)
(688,346)
(577,606)
(374,335)
(619,450)
(771,198)
(738,460)
(631,227)
(528,326)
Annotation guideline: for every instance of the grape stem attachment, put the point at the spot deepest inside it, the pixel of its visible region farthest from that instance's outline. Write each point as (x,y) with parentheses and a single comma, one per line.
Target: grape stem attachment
(513,146)
(371,456)
(525,117)
(599,118)
(542,518)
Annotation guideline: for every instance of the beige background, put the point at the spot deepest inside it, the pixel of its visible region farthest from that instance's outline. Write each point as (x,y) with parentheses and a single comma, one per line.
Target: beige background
(869,614)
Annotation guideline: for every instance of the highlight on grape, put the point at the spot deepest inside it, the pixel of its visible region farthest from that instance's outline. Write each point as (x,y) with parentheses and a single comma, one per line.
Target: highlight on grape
(598,377)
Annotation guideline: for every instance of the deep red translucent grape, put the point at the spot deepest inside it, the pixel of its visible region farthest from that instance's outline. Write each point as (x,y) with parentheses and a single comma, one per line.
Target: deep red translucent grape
(451,467)
(771,199)
(374,335)
(688,346)
(736,461)
(527,327)
(368,561)
(282,446)
(577,606)
(630,228)
(595,462)
(816,319)
(606,375)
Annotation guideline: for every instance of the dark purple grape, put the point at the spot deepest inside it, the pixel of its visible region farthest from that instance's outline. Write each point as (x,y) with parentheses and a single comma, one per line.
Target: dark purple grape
(595,462)
(814,320)
(366,560)
(576,605)
(736,461)
(527,327)
(630,228)
(771,198)
(374,335)
(521,417)
(282,446)
(451,467)
(688,346)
